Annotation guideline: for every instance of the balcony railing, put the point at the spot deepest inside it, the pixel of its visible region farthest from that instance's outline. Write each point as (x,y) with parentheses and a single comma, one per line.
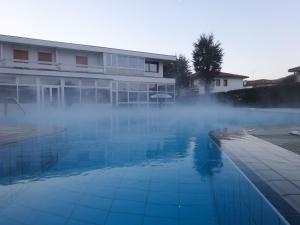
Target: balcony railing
(11,63)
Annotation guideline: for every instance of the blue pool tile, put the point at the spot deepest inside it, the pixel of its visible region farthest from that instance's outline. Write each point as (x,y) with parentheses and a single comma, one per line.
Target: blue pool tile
(65,196)
(48,219)
(195,188)
(159,221)
(106,192)
(164,187)
(131,194)
(78,222)
(8,221)
(96,202)
(201,222)
(195,199)
(124,219)
(63,209)
(135,184)
(125,206)
(165,211)
(269,216)
(89,215)
(196,212)
(163,198)
(19,213)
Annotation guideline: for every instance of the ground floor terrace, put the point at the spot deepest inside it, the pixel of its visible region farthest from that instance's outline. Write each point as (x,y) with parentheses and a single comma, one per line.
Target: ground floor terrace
(70,92)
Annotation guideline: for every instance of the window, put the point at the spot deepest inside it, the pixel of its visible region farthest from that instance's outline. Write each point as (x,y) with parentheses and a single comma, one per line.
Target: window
(218,83)
(45,56)
(27,94)
(103,96)
(151,67)
(225,82)
(20,54)
(81,60)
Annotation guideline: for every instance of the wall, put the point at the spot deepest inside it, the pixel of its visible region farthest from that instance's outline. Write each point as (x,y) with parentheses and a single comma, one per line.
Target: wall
(233,84)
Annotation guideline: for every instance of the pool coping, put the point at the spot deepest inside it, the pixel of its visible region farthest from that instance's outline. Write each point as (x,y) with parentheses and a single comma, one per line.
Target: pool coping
(221,137)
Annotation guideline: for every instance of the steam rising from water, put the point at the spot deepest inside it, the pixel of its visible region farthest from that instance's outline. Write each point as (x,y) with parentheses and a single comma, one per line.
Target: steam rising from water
(209,115)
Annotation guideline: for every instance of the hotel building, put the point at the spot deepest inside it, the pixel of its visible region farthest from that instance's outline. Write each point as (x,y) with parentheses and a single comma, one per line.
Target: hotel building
(40,73)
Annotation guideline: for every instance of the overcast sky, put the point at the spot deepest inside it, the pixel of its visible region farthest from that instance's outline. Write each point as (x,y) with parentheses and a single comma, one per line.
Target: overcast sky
(261,38)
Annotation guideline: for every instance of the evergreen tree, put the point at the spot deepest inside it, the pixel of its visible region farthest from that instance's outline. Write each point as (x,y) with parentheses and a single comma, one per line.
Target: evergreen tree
(207,59)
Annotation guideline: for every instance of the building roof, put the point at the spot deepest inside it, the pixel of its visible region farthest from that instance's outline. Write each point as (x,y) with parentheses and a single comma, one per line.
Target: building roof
(81,47)
(261,82)
(295,69)
(227,75)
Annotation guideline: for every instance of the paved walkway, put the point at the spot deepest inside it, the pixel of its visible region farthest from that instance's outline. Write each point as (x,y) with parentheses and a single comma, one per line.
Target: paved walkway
(273,169)
(279,135)
(9,134)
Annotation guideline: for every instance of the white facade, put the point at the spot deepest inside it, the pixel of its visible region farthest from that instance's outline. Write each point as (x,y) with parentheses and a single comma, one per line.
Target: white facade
(42,73)
(220,84)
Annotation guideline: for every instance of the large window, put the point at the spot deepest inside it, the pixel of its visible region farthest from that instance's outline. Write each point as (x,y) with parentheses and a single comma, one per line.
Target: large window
(7,91)
(8,88)
(218,83)
(123,96)
(88,96)
(82,60)
(72,96)
(27,94)
(45,57)
(20,55)
(103,96)
(124,61)
(151,67)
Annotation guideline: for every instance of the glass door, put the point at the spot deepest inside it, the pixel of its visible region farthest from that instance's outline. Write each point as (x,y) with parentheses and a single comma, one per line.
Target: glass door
(51,96)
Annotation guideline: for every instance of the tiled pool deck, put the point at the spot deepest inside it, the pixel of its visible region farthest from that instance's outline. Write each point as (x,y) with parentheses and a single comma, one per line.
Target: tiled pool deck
(272,169)
(279,135)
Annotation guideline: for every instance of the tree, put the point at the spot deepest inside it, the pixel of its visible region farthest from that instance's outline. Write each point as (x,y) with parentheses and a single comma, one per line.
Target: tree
(180,70)
(207,59)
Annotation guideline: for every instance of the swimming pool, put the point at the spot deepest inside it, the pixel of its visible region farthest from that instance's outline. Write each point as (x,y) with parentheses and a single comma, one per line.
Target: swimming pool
(135,168)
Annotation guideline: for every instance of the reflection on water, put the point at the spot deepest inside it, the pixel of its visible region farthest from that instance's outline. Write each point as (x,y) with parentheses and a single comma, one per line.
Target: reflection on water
(124,169)
(106,143)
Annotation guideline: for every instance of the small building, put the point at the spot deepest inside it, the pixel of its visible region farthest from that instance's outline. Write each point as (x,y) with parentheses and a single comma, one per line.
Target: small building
(39,73)
(261,83)
(296,71)
(223,82)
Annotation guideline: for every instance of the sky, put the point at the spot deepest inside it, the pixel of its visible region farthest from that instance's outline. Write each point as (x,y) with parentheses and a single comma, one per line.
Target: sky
(260,38)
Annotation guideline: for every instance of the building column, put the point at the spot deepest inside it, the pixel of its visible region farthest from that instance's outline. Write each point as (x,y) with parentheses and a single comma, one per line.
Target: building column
(38,90)
(79,91)
(117,93)
(1,51)
(111,92)
(17,83)
(57,58)
(62,97)
(148,103)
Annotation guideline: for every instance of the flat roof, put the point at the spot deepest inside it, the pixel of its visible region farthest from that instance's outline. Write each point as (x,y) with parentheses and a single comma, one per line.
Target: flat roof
(81,47)
(295,69)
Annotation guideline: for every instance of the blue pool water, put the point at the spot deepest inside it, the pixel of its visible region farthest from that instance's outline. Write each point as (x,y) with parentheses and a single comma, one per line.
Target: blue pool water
(131,168)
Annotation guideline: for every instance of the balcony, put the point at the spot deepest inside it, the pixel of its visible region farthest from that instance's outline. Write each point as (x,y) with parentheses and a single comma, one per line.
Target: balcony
(37,65)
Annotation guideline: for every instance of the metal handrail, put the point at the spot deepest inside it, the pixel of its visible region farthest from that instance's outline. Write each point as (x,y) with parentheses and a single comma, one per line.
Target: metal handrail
(13,100)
